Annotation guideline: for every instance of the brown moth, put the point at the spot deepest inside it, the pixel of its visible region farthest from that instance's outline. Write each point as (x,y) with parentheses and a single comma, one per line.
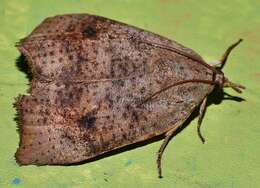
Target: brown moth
(99,85)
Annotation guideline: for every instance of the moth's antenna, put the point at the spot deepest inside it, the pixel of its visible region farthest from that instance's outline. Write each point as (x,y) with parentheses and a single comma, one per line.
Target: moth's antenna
(227,52)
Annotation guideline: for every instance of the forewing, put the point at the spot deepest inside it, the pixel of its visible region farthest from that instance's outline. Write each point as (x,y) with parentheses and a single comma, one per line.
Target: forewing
(90,78)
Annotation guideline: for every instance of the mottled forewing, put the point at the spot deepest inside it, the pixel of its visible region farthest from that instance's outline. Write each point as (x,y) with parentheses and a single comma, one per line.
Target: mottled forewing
(91,76)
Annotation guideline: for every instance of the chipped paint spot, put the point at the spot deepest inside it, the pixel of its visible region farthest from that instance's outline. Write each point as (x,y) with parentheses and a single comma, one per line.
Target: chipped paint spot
(128,163)
(16,181)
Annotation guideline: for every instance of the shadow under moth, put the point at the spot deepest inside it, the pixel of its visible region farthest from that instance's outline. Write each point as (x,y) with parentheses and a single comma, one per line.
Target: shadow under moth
(99,85)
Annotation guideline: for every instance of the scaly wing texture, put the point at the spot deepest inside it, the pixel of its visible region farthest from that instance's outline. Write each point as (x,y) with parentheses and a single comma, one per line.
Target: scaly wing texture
(89,76)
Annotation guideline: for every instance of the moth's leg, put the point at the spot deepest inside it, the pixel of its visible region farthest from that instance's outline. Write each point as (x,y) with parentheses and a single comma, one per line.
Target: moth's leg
(220,63)
(166,140)
(201,114)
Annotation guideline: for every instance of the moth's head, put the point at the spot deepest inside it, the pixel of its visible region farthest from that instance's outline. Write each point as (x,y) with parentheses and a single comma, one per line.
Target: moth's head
(220,79)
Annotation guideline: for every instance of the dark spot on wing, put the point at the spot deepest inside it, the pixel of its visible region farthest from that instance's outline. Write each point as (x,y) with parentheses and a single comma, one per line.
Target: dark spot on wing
(135,116)
(89,32)
(119,83)
(87,121)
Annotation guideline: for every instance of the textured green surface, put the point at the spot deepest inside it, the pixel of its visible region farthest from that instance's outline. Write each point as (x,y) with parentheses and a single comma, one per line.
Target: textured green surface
(230,157)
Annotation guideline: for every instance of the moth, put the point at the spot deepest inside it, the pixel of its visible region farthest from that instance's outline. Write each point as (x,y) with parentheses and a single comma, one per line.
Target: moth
(99,85)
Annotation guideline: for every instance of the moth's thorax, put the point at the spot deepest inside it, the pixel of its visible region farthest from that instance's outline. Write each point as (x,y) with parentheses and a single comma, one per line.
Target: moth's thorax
(219,78)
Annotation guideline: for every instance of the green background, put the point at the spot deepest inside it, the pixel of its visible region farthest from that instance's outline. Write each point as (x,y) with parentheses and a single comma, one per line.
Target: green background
(229,158)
